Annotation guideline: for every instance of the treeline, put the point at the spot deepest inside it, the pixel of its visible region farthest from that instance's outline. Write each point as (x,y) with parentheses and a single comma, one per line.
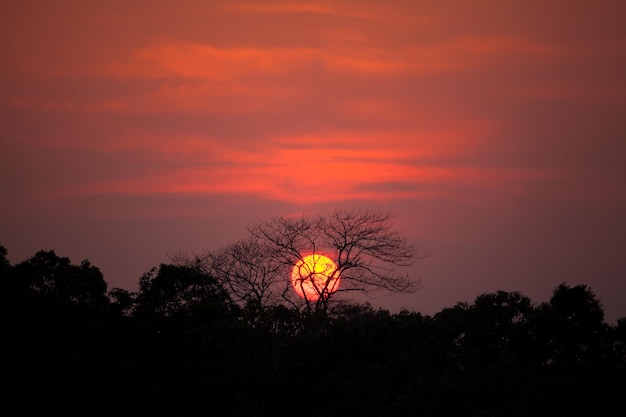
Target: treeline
(180,346)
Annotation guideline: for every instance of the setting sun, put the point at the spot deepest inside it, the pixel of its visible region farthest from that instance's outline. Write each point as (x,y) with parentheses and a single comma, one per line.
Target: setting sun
(315,276)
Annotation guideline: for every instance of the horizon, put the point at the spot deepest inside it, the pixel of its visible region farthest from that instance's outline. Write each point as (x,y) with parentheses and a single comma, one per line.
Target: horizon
(362,298)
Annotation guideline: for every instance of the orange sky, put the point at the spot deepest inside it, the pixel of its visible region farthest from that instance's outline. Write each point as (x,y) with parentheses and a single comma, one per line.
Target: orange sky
(495,130)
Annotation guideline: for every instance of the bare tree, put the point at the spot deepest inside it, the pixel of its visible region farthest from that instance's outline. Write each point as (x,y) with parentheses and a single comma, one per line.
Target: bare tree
(245,268)
(364,245)
(249,271)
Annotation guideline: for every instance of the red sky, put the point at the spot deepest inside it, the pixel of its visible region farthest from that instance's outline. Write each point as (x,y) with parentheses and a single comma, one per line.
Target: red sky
(495,130)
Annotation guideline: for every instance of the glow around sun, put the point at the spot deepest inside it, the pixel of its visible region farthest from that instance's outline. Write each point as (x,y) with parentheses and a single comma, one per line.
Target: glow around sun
(315,276)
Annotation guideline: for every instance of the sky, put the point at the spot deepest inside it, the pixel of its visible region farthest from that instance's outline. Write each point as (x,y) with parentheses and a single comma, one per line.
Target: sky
(495,132)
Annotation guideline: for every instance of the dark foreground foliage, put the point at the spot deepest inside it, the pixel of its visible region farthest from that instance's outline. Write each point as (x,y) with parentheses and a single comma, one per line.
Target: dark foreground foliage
(181,347)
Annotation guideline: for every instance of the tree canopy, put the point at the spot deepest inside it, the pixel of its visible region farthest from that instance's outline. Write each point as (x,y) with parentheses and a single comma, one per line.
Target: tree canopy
(182,346)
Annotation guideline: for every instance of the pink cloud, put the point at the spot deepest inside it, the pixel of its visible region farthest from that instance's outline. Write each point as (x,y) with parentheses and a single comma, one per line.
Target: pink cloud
(308,169)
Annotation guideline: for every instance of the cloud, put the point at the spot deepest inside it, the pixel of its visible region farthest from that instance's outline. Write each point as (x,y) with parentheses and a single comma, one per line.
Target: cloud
(368,12)
(307,169)
(367,98)
(206,62)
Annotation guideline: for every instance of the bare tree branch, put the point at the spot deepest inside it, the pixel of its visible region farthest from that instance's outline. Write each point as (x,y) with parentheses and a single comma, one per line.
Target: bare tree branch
(367,251)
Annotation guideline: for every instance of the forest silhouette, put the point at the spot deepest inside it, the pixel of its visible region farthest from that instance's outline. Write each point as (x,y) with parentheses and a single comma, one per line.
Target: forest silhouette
(181,346)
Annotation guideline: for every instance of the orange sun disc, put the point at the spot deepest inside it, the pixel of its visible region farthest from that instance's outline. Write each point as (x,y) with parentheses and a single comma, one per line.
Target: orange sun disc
(315,276)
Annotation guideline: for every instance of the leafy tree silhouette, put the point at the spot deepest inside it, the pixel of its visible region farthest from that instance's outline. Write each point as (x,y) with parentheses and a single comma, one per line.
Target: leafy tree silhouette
(54,278)
(572,329)
(176,290)
(183,346)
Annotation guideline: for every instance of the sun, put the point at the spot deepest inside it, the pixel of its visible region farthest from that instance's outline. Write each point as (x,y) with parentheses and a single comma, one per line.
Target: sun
(315,276)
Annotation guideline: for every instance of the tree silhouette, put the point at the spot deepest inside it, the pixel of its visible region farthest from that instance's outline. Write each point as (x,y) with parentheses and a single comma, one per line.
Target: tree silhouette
(572,331)
(364,245)
(497,328)
(248,270)
(54,278)
(181,346)
(175,290)
(4,262)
